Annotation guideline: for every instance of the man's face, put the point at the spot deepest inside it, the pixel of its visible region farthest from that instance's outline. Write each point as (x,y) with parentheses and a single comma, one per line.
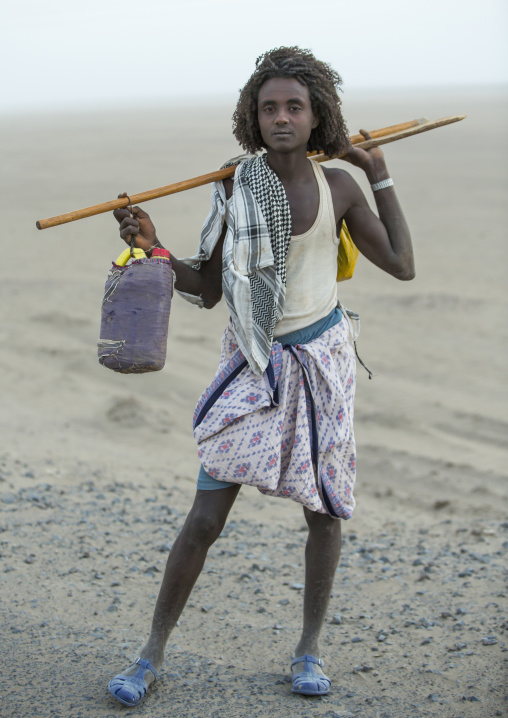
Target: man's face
(285,114)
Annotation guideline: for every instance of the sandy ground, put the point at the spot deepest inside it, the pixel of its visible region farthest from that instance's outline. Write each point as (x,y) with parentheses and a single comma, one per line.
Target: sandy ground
(97,469)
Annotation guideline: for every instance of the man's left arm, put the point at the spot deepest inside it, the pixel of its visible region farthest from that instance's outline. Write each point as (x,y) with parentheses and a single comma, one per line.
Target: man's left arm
(384,240)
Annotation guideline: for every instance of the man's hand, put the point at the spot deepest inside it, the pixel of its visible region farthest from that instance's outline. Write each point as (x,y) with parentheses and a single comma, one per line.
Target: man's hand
(372,161)
(138,225)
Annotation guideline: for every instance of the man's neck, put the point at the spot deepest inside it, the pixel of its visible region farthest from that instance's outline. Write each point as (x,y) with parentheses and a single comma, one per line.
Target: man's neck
(290,167)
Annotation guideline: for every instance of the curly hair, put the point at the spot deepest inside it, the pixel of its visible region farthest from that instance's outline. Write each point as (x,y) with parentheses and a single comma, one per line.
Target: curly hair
(330,136)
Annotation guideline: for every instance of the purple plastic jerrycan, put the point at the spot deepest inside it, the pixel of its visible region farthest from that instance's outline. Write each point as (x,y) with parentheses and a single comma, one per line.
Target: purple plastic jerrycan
(135,314)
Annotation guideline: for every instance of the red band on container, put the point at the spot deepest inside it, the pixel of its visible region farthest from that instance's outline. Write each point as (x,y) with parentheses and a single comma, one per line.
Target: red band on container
(160,252)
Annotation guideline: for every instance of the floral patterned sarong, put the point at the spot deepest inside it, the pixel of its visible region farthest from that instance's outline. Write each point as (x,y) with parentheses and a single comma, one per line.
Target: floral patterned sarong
(289,432)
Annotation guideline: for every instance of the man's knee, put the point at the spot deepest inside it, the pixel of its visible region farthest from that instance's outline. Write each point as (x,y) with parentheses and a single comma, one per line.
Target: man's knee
(203,526)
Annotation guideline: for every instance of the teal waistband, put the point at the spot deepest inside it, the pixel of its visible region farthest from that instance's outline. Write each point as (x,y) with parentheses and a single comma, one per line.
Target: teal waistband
(313,331)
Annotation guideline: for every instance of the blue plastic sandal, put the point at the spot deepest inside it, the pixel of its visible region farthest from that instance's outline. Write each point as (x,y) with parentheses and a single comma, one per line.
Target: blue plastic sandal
(130,690)
(308,682)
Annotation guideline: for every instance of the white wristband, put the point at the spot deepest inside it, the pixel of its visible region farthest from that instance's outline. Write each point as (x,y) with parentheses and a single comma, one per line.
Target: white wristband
(381,185)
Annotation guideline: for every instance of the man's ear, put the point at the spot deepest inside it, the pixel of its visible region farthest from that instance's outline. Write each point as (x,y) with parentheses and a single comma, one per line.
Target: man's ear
(315,121)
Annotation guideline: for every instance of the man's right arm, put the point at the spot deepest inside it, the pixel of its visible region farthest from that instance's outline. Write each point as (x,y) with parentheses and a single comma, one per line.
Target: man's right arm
(205,282)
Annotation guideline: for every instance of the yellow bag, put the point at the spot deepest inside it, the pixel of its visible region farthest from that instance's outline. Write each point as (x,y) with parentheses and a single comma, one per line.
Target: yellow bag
(346,256)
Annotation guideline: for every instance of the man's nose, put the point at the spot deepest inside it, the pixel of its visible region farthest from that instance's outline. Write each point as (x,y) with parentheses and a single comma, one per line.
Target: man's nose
(282,117)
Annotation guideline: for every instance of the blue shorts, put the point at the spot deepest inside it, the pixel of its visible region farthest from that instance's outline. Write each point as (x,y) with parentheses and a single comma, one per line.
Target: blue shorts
(300,336)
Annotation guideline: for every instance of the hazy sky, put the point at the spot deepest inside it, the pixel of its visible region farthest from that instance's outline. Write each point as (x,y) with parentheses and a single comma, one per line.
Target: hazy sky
(70,52)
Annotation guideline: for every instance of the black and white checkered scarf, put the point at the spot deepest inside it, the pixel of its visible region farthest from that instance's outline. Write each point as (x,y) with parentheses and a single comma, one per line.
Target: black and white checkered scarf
(254,257)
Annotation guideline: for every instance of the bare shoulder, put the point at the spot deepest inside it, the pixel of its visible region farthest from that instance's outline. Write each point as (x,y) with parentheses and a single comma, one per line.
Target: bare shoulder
(344,190)
(339,180)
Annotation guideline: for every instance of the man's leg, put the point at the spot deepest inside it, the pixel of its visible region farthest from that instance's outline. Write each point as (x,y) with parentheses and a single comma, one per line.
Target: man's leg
(202,527)
(322,555)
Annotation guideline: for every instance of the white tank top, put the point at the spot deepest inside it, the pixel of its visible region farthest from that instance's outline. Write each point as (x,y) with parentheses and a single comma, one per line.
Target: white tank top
(311,267)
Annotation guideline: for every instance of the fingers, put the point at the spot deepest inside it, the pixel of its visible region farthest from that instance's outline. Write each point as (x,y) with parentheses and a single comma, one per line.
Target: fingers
(139,213)
(366,134)
(129,220)
(135,209)
(121,196)
(120,214)
(129,227)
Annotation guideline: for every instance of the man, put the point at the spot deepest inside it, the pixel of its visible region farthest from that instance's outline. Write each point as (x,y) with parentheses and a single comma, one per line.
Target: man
(283,394)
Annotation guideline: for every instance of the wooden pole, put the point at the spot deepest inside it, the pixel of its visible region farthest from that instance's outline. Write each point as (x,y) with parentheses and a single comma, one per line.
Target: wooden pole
(399,135)
(379,137)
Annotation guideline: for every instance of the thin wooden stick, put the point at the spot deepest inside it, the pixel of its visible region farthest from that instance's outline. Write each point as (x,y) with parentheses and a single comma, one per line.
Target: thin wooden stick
(383,140)
(379,137)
